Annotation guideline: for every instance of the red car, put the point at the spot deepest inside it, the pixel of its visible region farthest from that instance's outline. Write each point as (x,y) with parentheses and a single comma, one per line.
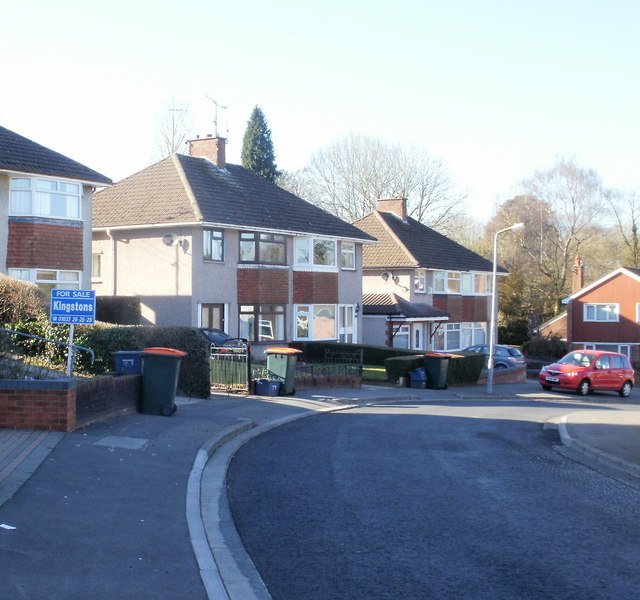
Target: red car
(586,370)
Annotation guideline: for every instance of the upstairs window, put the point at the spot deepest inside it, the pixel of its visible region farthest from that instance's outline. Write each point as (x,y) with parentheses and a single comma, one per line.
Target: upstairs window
(264,248)
(601,312)
(420,282)
(37,197)
(213,245)
(315,252)
(348,256)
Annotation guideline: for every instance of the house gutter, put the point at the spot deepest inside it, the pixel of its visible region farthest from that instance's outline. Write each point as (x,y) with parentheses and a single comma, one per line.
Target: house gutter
(230,226)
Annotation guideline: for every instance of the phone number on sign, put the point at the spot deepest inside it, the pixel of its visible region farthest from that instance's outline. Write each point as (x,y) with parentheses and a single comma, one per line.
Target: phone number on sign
(71,320)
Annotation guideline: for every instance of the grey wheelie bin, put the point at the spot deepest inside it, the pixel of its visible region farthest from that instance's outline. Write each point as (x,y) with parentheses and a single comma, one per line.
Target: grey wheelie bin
(160,370)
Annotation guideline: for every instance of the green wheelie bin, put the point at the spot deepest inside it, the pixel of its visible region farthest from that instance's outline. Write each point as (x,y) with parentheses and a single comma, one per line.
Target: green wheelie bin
(281,366)
(160,370)
(436,365)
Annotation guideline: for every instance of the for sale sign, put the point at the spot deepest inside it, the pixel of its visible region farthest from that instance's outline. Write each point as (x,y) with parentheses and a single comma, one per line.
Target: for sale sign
(73,307)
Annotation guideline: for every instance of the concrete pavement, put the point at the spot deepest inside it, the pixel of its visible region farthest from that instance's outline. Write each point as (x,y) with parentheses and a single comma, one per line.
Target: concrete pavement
(116,490)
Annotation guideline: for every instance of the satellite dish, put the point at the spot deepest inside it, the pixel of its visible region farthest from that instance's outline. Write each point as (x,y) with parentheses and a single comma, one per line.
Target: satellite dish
(170,239)
(386,276)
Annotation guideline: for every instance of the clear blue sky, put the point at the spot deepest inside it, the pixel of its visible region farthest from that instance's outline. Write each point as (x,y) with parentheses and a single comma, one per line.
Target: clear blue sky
(496,89)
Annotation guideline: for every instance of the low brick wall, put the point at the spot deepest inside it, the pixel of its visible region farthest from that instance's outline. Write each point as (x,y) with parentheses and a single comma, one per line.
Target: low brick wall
(306,382)
(518,375)
(66,404)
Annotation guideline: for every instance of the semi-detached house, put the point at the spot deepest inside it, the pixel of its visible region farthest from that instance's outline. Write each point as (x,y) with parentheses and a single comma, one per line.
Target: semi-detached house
(204,243)
(422,290)
(45,214)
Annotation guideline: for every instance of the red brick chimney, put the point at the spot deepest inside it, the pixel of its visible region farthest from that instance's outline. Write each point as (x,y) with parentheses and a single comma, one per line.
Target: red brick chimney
(210,147)
(397,206)
(578,276)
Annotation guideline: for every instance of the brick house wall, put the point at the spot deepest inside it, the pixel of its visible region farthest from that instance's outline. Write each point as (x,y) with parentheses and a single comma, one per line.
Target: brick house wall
(263,286)
(620,289)
(311,287)
(35,244)
(463,309)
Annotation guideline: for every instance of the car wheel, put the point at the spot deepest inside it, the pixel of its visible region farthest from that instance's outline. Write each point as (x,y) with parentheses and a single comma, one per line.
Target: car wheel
(500,366)
(584,388)
(546,388)
(625,390)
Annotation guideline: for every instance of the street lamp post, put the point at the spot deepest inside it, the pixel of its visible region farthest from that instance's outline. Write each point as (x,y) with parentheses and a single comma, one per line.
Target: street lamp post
(494,303)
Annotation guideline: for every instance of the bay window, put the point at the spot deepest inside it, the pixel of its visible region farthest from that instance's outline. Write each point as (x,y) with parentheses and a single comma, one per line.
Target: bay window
(48,279)
(316,322)
(31,196)
(315,252)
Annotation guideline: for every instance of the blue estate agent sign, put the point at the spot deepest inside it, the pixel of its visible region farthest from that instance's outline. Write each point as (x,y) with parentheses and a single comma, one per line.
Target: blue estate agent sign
(72,307)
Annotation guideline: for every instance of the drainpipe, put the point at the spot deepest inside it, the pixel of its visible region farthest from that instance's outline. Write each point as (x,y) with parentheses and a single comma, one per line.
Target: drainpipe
(112,253)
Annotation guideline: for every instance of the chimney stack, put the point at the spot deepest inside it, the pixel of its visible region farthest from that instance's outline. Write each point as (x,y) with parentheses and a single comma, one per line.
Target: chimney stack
(578,275)
(397,206)
(210,147)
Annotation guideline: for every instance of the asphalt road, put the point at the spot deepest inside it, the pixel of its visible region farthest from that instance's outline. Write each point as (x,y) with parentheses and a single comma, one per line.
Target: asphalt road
(464,500)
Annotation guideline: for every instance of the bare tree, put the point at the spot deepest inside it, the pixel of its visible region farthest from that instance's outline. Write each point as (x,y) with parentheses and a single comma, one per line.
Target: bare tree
(172,130)
(626,211)
(348,177)
(574,200)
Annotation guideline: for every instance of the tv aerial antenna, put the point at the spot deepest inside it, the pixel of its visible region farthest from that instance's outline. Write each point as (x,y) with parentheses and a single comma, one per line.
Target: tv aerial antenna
(215,118)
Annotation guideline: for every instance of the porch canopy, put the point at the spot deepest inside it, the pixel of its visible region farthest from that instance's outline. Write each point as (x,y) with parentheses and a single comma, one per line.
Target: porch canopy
(398,308)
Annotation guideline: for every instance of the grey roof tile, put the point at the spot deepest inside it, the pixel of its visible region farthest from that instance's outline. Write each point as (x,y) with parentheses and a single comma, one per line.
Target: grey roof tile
(191,189)
(22,155)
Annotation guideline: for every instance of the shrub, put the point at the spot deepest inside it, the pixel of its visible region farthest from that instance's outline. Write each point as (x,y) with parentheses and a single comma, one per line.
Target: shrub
(551,347)
(105,339)
(463,368)
(399,366)
(122,310)
(20,301)
(371,355)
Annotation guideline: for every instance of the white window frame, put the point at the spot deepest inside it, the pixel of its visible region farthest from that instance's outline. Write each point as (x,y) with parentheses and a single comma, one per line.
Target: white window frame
(614,311)
(61,280)
(40,195)
(347,255)
(474,332)
(620,348)
(347,333)
(304,253)
(420,281)
(96,267)
(310,312)
(638,312)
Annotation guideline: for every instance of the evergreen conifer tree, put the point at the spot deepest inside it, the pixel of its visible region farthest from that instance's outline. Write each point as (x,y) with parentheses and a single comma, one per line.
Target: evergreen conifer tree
(257,147)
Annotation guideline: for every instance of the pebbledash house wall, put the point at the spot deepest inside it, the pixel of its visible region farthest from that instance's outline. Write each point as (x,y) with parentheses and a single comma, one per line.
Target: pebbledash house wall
(620,289)
(66,404)
(173,281)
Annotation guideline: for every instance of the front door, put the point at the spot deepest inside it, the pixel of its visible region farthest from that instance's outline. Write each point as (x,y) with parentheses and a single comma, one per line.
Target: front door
(212,316)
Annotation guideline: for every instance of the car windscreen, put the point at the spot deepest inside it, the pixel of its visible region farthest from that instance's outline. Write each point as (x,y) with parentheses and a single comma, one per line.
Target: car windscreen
(577,358)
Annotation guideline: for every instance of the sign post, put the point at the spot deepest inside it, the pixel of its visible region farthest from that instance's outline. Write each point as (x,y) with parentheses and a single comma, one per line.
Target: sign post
(73,307)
